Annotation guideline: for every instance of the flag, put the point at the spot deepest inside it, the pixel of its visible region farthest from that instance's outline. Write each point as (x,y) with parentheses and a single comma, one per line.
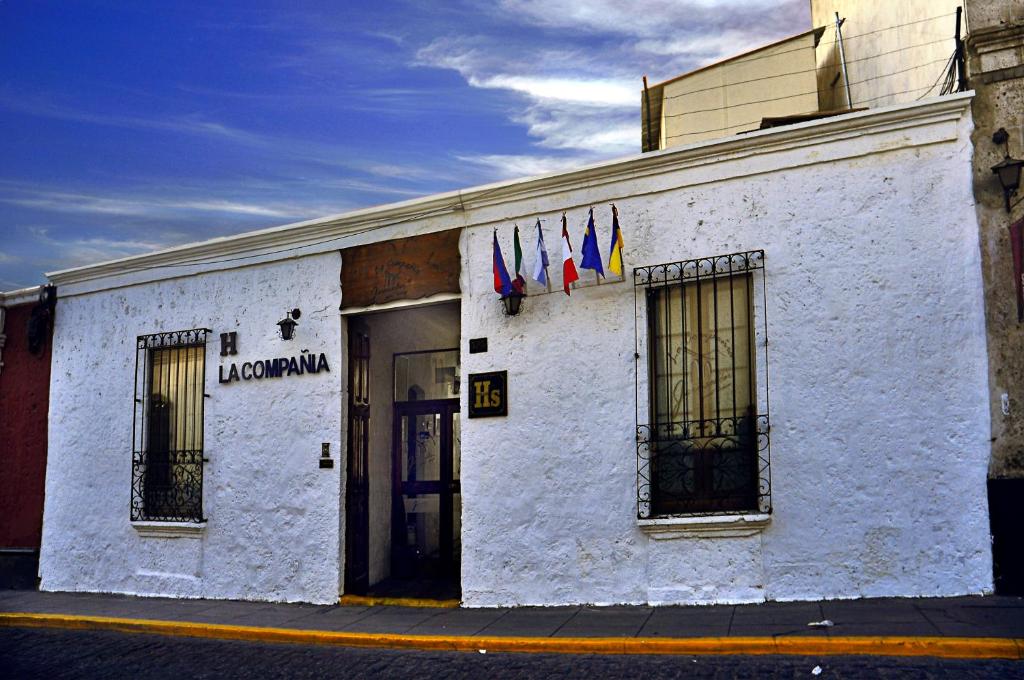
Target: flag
(615,254)
(519,284)
(540,262)
(569,273)
(502,282)
(591,251)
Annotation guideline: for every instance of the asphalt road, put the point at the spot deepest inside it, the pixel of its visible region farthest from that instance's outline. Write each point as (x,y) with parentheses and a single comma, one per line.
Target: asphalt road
(48,654)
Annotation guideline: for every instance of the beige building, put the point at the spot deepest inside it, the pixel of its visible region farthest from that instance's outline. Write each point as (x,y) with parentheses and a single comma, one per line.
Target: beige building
(895,52)
(733,96)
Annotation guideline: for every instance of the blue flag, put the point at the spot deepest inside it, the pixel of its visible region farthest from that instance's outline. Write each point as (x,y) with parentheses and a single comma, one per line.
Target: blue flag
(591,251)
(502,281)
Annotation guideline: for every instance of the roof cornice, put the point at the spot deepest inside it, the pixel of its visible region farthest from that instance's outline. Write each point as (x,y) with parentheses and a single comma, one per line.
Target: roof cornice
(20,297)
(336,231)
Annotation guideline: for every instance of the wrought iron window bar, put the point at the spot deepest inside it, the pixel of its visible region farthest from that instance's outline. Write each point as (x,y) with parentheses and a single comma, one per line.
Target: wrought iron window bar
(706,462)
(167,427)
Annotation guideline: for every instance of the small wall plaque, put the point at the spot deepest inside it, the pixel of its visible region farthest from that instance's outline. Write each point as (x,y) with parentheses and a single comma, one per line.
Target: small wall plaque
(477,345)
(488,394)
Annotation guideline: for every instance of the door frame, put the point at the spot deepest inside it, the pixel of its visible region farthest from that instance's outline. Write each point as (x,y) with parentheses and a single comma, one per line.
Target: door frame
(357,466)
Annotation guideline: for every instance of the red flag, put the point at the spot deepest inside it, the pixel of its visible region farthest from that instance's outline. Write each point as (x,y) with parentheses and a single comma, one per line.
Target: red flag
(569,273)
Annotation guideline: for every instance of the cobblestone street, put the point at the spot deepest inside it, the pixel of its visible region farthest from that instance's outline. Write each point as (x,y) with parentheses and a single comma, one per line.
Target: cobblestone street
(28,654)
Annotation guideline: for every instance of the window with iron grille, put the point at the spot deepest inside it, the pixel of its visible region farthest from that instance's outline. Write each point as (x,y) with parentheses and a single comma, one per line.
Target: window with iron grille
(167,431)
(702,412)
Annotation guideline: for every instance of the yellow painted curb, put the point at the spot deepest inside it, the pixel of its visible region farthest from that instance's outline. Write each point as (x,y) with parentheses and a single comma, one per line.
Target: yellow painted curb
(372,601)
(942,647)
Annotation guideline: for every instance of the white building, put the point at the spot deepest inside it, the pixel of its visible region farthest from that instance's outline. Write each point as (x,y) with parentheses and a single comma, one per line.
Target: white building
(849,337)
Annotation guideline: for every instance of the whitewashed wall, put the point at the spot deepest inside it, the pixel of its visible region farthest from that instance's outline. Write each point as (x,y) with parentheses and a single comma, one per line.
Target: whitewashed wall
(272,531)
(880,430)
(879,440)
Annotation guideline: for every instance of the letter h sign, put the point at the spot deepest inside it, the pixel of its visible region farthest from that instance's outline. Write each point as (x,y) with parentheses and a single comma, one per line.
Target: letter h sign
(228,343)
(488,394)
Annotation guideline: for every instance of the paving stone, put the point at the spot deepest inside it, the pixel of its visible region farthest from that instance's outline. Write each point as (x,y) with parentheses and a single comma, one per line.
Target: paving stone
(531,621)
(687,622)
(790,614)
(606,622)
(393,620)
(459,622)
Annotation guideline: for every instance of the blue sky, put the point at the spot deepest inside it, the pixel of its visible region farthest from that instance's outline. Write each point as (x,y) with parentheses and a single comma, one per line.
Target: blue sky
(131,126)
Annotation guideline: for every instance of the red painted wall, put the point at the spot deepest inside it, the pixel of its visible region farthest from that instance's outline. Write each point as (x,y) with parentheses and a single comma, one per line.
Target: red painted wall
(24,403)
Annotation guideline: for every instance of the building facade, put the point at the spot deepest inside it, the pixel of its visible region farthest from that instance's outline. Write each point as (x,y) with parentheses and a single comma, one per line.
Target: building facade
(784,396)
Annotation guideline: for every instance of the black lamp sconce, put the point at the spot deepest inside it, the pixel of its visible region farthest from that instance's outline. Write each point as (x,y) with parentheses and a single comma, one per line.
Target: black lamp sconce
(1007,170)
(288,323)
(512,303)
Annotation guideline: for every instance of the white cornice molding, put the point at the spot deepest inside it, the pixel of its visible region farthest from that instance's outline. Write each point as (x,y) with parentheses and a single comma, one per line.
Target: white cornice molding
(371,224)
(20,297)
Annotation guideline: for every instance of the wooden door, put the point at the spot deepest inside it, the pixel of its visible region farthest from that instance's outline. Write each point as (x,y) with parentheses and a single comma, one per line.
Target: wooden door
(357,478)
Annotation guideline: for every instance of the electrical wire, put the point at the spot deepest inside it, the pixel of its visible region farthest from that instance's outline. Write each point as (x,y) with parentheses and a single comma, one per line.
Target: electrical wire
(798,94)
(807,70)
(740,60)
(751,122)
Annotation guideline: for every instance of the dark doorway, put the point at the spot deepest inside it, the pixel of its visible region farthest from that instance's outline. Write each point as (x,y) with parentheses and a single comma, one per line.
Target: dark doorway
(357,478)
(426,493)
(1006,507)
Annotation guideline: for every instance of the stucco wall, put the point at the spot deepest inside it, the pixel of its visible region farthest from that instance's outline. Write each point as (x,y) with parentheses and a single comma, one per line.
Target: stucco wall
(879,414)
(272,513)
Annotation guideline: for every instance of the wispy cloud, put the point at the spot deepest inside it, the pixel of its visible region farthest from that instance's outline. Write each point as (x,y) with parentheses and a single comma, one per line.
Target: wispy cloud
(586,101)
(74,251)
(186,124)
(509,166)
(56,201)
(561,110)
(654,18)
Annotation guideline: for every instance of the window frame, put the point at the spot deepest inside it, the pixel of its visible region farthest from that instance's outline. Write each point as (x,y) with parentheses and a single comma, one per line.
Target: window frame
(177,497)
(702,438)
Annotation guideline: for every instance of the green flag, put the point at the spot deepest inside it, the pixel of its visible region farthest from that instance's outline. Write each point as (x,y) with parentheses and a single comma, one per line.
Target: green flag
(519,252)
(519,285)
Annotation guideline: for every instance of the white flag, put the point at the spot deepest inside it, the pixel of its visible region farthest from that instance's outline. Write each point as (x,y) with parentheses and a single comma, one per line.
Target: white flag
(540,262)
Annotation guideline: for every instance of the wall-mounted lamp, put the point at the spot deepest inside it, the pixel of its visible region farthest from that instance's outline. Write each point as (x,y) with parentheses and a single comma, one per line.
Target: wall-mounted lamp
(511,303)
(1008,170)
(288,324)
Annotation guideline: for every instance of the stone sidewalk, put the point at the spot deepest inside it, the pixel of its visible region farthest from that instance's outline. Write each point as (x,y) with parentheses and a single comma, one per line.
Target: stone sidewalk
(895,619)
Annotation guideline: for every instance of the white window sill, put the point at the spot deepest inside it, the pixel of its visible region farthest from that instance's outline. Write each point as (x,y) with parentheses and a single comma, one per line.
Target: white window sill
(169,529)
(704,526)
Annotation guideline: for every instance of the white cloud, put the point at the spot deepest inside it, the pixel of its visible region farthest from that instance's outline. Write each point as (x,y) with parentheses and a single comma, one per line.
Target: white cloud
(562,110)
(509,166)
(645,18)
(605,93)
(55,201)
(71,252)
